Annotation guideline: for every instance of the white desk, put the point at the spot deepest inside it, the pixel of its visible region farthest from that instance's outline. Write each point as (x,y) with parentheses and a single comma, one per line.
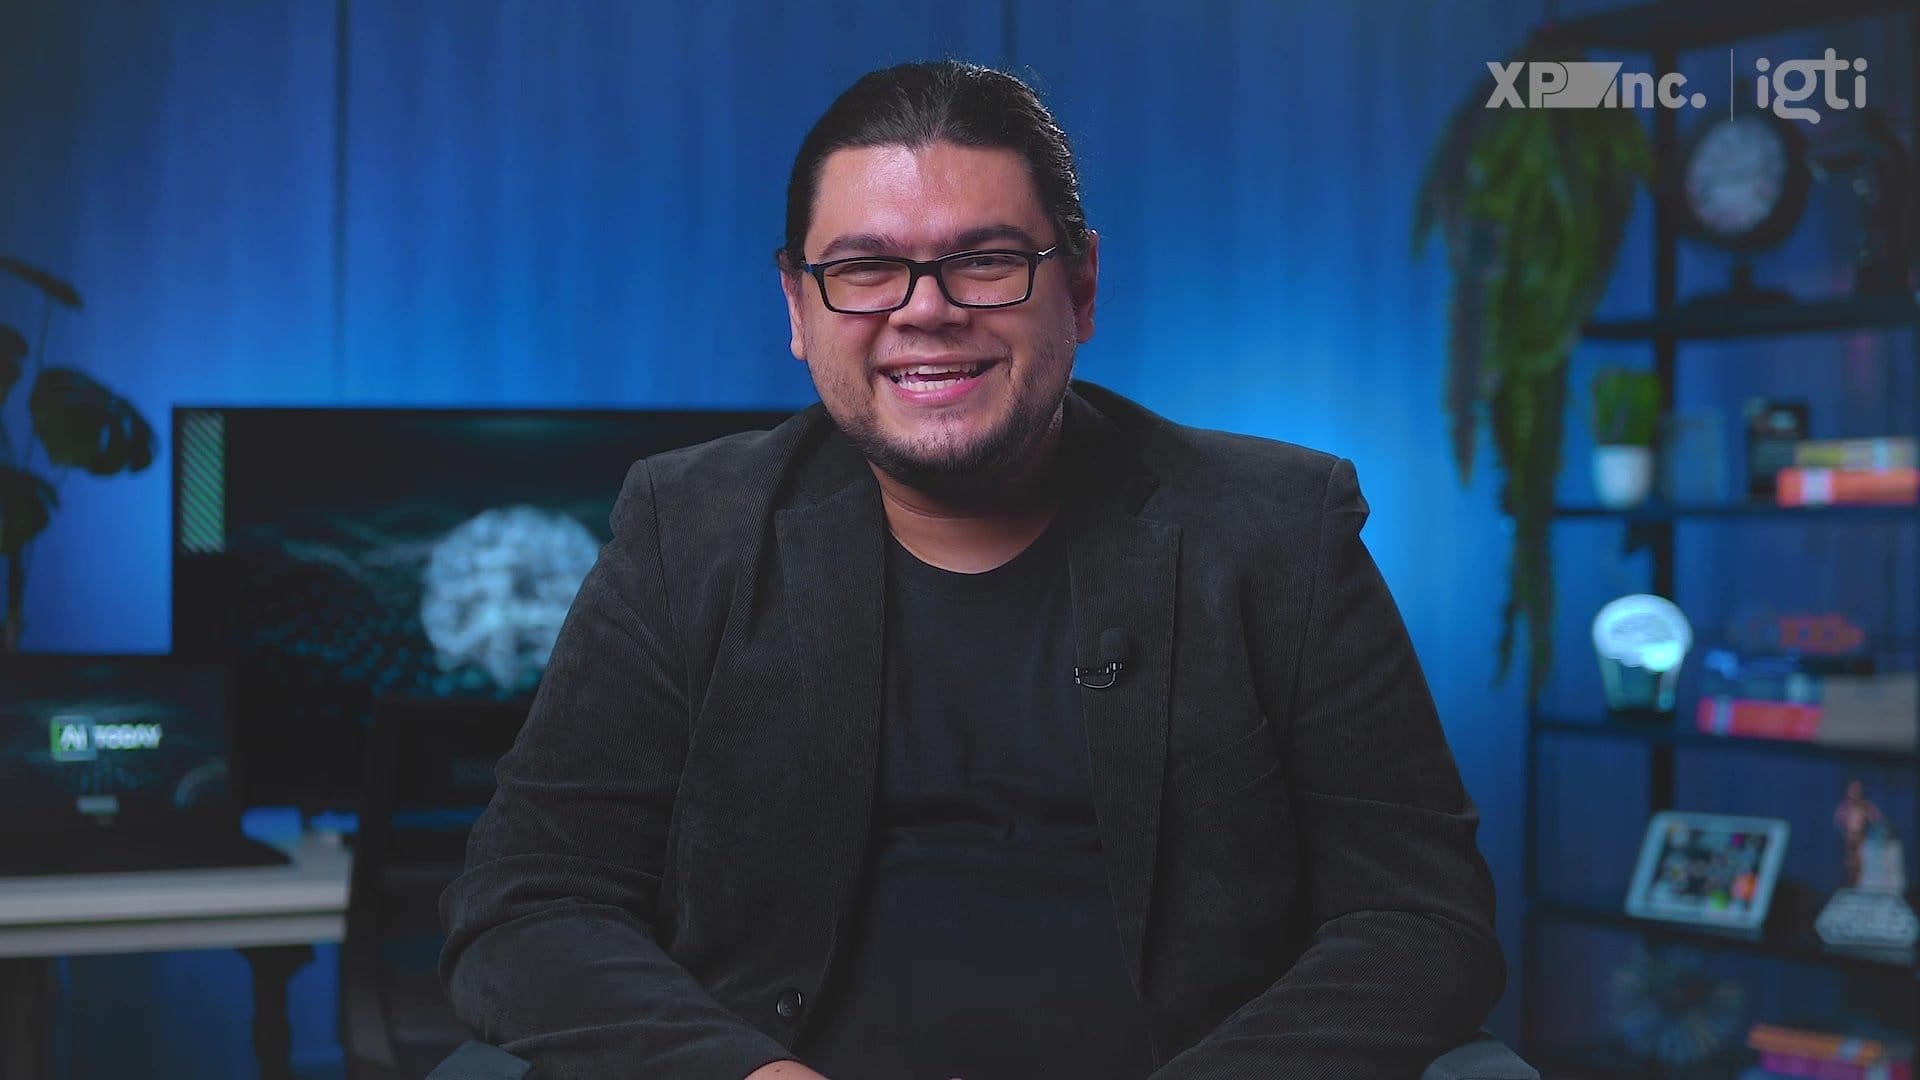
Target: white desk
(258,909)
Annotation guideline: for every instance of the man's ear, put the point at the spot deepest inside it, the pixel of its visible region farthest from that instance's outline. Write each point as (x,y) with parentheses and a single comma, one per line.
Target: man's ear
(791,284)
(1083,283)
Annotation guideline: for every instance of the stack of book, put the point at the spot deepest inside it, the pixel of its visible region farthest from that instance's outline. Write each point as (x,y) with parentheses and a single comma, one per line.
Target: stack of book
(1840,700)
(1825,1055)
(1839,472)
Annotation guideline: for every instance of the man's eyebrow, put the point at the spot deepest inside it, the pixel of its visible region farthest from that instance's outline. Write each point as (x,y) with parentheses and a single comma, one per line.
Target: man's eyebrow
(876,244)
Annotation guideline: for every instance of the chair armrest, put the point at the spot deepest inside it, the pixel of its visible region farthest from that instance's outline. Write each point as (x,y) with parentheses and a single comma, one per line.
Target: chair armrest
(478,1061)
(1485,1058)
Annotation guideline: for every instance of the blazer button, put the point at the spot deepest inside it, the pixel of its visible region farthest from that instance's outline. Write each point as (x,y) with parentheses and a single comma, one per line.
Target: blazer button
(792,1004)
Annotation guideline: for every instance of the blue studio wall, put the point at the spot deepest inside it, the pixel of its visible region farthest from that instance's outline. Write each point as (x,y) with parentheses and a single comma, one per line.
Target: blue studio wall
(441,203)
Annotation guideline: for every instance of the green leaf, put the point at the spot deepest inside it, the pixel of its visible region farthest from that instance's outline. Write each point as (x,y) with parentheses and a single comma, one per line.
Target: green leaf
(26,506)
(1533,204)
(13,349)
(82,423)
(58,291)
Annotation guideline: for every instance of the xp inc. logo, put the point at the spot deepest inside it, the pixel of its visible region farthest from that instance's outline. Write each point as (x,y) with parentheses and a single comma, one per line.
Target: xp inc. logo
(1600,84)
(1586,84)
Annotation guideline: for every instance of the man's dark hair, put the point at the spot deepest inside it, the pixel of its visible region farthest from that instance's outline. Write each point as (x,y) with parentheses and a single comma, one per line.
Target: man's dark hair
(942,101)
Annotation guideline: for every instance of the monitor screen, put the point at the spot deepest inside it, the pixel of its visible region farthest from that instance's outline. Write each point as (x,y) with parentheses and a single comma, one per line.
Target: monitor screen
(341,555)
(131,741)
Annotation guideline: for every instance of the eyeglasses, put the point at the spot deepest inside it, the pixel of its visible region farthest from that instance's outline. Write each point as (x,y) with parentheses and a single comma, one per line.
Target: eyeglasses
(872,284)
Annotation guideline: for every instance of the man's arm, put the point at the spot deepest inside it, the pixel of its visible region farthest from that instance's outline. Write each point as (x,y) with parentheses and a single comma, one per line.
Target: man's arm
(1403,964)
(551,951)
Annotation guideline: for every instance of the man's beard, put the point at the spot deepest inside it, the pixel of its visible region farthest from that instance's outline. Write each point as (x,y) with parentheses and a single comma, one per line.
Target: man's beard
(975,469)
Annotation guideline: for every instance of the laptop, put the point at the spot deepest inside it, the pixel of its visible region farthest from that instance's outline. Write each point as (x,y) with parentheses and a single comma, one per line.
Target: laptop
(110,764)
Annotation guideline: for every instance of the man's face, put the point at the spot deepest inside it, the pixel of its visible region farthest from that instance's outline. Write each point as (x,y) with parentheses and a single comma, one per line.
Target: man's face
(921,203)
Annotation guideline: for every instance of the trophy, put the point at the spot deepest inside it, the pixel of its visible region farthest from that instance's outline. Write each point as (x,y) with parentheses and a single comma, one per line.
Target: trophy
(1870,909)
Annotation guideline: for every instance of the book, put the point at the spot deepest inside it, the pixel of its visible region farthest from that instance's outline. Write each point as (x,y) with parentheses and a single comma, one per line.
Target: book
(1870,710)
(1831,1046)
(1753,719)
(1878,711)
(1816,1068)
(1796,486)
(1887,452)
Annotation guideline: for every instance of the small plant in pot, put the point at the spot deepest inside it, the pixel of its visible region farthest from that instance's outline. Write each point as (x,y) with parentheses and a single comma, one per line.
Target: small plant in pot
(1626,416)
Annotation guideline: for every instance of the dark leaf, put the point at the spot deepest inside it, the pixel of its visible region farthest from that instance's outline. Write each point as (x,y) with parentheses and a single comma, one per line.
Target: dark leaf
(82,423)
(60,292)
(26,505)
(13,349)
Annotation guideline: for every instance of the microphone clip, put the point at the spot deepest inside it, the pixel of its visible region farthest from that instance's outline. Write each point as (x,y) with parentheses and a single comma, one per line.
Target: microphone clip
(1091,677)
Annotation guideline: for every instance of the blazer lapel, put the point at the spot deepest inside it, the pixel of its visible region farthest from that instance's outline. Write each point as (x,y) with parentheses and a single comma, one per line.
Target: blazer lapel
(832,556)
(1122,570)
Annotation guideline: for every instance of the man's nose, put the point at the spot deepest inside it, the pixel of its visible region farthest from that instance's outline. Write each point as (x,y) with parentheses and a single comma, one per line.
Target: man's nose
(927,305)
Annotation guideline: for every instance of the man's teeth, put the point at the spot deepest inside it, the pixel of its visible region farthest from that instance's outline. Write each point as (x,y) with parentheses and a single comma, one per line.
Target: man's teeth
(929,375)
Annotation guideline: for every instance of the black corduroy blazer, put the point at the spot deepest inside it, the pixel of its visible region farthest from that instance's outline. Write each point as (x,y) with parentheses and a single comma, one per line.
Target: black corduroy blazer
(667,879)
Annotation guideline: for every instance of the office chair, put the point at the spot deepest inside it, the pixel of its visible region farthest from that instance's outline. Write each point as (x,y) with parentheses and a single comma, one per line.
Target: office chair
(429,774)
(1485,1058)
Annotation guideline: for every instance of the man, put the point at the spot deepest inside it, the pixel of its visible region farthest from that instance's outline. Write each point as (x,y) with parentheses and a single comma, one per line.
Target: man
(975,722)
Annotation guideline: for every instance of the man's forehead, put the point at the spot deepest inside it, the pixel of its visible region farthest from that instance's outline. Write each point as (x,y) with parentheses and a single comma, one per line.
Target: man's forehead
(929,196)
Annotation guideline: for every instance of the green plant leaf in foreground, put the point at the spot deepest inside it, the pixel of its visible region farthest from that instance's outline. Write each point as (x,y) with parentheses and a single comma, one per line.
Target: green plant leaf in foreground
(13,350)
(58,291)
(83,423)
(26,505)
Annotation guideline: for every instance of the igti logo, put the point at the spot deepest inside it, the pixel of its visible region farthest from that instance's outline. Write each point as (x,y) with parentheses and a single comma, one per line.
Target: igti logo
(1786,99)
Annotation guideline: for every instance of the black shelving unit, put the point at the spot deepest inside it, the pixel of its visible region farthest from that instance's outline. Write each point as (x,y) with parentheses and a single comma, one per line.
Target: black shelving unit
(1663,31)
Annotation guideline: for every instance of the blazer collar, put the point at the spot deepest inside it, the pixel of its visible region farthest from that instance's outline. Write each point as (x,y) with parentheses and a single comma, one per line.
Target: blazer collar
(1122,570)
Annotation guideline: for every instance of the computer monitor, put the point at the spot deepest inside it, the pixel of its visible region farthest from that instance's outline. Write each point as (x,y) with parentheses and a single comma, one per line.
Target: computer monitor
(339,555)
(137,743)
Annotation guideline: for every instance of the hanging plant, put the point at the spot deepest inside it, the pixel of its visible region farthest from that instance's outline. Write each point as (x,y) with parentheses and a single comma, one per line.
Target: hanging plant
(1532,205)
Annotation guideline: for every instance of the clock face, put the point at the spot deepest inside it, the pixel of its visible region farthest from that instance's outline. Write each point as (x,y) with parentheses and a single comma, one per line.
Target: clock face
(1737,176)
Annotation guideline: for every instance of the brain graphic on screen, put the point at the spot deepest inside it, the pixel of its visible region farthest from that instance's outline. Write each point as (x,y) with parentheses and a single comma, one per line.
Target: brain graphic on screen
(497,587)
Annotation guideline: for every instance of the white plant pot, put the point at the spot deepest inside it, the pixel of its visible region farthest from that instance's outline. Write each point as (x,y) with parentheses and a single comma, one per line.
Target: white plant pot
(1622,475)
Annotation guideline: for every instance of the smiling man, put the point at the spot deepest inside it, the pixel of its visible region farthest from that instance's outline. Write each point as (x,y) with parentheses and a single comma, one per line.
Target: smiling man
(977,721)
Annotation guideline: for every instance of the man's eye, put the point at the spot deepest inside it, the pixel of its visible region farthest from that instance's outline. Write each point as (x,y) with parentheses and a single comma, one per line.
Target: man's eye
(864,273)
(988,266)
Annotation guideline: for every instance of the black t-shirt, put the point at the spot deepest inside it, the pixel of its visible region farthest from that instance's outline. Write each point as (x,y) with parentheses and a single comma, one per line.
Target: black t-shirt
(988,948)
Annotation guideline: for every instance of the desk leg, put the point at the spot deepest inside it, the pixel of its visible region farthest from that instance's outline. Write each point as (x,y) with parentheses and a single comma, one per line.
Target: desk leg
(27,994)
(273,967)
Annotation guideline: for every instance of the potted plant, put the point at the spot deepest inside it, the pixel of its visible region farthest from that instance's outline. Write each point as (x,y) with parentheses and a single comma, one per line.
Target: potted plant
(1626,413)
(1532,204)
(74,420)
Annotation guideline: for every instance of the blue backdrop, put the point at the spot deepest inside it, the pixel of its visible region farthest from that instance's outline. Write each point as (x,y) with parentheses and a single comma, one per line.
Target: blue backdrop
(452,203)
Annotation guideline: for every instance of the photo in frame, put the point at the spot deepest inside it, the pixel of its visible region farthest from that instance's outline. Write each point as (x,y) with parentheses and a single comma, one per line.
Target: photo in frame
(1711,870)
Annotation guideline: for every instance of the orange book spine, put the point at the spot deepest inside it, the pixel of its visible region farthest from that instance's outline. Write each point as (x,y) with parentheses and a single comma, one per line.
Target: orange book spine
(1798,486)
(1753,719)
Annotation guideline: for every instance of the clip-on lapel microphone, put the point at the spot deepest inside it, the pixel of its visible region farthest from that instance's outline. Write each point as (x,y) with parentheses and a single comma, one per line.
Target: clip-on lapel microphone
(1114,650)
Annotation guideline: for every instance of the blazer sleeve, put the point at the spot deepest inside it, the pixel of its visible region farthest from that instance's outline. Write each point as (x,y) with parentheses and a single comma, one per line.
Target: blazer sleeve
(1401,963)
(551,951)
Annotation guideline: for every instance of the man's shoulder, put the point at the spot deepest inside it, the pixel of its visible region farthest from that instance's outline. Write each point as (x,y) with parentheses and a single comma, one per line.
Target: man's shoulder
(1211,468)
(735,463)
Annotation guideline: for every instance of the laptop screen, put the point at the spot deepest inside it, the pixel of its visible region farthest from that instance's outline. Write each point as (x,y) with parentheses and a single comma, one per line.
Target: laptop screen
(136,742)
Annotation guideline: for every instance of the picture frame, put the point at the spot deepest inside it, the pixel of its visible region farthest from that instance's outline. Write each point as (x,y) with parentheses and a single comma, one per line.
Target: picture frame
(1712,870)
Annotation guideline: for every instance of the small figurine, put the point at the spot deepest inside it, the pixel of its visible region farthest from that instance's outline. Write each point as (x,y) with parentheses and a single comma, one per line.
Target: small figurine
(1855,817)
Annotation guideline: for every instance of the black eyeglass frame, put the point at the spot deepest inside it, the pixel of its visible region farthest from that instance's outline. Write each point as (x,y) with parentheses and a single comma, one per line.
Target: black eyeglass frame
(931,267)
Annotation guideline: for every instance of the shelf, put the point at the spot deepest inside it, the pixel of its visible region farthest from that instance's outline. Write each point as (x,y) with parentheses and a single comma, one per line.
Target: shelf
(1658,512)
(1611,1060)
(1805,947)
(1698,23)
(1672,733)
(1833,314)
